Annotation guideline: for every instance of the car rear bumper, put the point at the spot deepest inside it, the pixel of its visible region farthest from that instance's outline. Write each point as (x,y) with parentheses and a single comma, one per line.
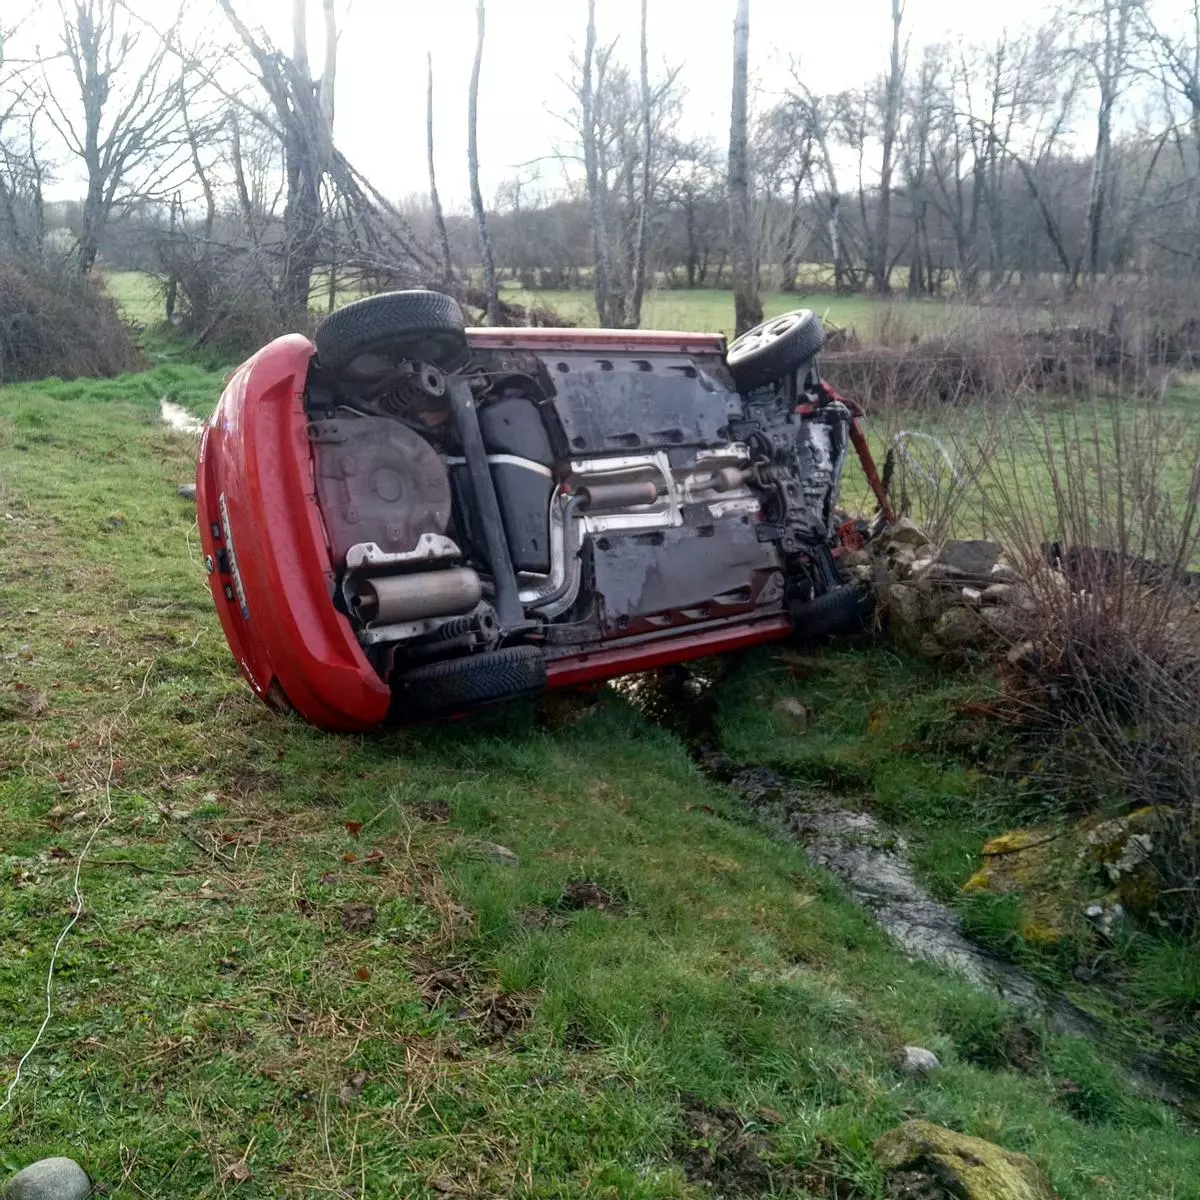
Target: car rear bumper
(265,549)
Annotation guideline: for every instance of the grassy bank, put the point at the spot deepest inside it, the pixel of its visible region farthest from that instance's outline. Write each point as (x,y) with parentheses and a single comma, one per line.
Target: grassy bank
(303,965)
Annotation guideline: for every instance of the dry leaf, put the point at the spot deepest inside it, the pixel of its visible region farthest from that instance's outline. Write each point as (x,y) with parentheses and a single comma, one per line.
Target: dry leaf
(353,1086)
(238,1172)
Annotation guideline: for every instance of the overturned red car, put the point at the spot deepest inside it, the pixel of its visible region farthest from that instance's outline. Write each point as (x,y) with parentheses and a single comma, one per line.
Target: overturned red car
(403,519)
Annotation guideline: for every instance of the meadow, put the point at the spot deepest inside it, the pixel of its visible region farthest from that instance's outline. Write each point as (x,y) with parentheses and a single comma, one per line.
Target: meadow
(536,953)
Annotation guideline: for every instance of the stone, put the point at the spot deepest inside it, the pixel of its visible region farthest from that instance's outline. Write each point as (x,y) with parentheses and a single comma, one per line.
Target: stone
(964,1166)
(1006,623)
(1022,653)
(864,573)
(855,558)
(1104,917)
(958,628)
(901,558)
(1004,572)
(50,1179)
(972,595)
(916,1060)
(794,710)
(500,854)
(186,491)
(972,558)
(905,604)
(906,532)
(998,593)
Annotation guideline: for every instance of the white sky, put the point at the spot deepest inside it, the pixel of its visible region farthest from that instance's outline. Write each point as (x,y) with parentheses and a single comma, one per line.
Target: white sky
(380,121)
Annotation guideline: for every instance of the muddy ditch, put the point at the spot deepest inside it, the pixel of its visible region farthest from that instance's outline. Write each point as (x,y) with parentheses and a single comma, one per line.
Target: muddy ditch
(871,860)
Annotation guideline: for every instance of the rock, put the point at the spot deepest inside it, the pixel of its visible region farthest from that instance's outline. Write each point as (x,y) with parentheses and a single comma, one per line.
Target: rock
(998,593)
(1104,917)
(501,854)
(1002,572)
(186,491)
(855,558)
(901,558)
(916,1060)
(794,710)
(973,558)
(50,1179)
(1006,623)
(972,595)
(1024,653)
(906,532)
(967,1167)
(958,628)
(906,612)
(864,573)
(1126,849)
(930,570)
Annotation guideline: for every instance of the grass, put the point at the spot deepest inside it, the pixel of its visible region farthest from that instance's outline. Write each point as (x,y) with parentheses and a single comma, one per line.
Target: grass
(914,745)
(301,967)
(691,309)
(712,308)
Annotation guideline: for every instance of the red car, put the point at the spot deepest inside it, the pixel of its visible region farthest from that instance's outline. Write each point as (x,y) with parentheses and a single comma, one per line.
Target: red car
(404,518)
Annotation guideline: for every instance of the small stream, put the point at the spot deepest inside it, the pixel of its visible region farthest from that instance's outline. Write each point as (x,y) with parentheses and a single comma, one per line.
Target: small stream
(177,418)
(871,861)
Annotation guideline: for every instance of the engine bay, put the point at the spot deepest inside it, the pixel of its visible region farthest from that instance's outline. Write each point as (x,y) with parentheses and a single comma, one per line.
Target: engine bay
(566,496)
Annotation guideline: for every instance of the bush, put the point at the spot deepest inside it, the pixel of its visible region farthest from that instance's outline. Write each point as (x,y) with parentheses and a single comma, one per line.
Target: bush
(224,297)
(1103,520)
(54,323)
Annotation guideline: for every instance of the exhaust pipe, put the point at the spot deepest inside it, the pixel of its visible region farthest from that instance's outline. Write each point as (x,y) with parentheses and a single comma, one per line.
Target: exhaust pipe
(393,599)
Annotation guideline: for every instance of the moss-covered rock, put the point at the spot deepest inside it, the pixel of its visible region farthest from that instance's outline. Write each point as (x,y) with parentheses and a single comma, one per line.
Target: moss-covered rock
(963,1166)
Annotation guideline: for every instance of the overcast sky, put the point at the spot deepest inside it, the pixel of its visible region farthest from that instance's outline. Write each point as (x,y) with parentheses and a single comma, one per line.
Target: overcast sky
(381,73)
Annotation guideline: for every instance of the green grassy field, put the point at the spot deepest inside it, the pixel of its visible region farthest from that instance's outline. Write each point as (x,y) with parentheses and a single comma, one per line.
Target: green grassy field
(302,967)
(694,309)
(712,309)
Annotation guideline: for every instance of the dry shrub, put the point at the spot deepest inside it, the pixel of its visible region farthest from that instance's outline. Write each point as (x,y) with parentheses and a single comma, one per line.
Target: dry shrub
(224,297)
(54,323)
(997,354)
(1103,519)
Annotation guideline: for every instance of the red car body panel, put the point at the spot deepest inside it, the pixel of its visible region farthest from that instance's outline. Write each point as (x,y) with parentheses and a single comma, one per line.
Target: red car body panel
(268,557)
(254,486)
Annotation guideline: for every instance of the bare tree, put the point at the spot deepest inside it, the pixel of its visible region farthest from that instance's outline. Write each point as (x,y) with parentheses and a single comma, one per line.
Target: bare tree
(123,120)
(439,218)
(601,257)
(481,229)
(1108,56)
(639,262)
(303,112)
(879,263)
(747,307)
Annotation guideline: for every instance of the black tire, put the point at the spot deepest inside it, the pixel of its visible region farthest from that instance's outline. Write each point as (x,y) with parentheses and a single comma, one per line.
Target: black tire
(427,326)
(458,684)
(775,349)
(845,609)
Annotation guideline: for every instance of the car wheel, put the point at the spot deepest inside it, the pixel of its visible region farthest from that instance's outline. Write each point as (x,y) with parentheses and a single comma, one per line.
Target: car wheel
(845,609)
(427,326)
(457,684)
(775,348)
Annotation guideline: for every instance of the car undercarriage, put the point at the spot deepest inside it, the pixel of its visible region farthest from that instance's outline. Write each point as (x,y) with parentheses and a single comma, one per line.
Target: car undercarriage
(501,510)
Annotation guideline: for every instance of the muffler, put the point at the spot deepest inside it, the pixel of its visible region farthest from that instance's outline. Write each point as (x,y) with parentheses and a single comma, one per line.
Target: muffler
(393,599)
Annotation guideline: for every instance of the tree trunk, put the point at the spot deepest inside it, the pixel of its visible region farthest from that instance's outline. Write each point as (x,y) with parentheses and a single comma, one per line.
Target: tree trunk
(639,257)
(439,218)
(601,265)
(747,307)
(485,242)
(791,250)
(880,258)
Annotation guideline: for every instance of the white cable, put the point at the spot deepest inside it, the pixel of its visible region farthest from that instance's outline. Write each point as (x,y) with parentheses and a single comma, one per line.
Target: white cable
(62,937)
